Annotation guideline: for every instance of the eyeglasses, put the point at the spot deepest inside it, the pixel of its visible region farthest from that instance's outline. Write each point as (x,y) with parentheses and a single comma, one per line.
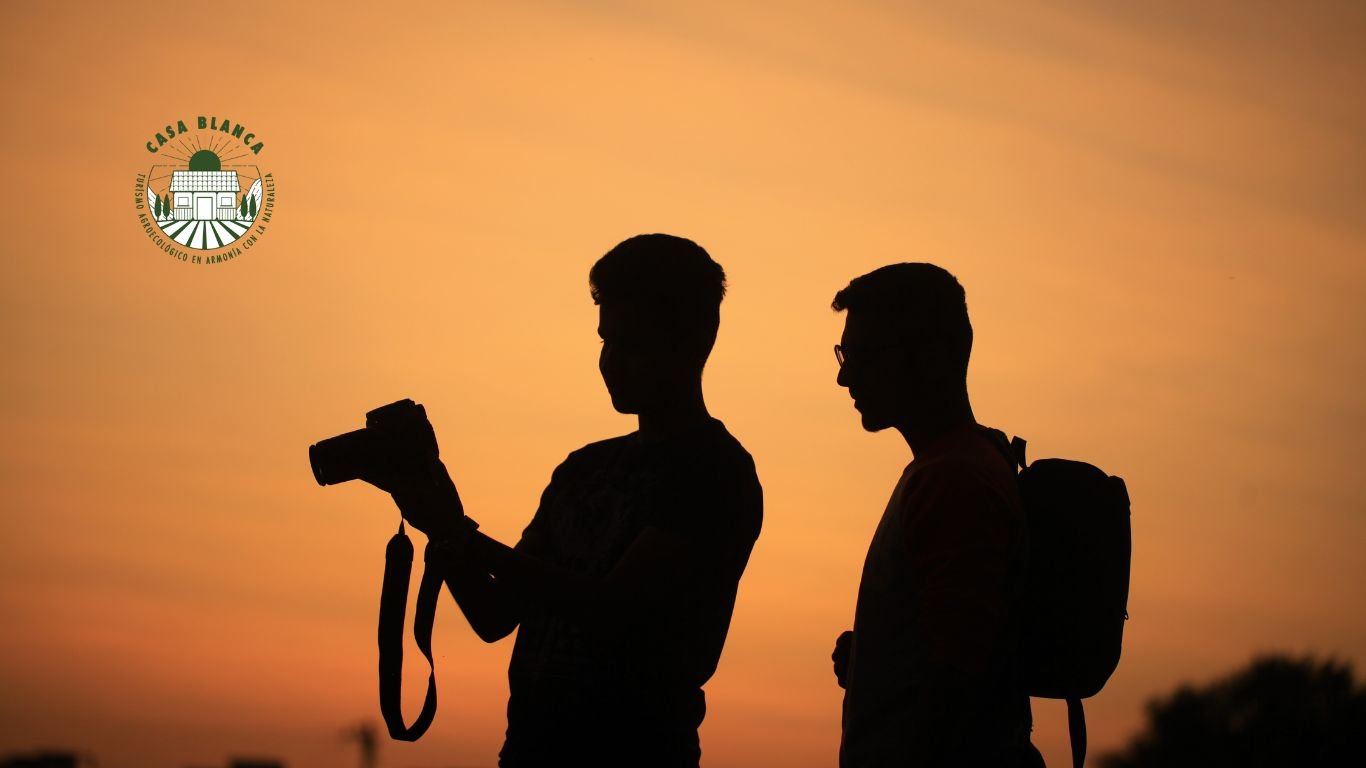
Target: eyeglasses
(842,351)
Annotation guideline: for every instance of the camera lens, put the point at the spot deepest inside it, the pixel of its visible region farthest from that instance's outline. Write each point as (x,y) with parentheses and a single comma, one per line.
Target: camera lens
(341,458)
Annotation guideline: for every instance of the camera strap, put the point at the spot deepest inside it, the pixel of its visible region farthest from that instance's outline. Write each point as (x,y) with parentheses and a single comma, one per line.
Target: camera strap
(393,603)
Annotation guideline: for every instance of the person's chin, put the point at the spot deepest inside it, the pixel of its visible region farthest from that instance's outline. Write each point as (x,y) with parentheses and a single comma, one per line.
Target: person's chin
(872,425)
(622,405)
(872,422)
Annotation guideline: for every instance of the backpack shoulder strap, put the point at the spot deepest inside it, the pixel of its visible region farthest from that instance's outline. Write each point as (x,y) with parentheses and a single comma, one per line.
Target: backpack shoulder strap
(1017,448)
(1011,450)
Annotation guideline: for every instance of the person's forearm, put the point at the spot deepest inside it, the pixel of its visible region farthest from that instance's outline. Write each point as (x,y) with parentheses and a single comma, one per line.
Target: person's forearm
(491,610)
(496,585)
(535,585)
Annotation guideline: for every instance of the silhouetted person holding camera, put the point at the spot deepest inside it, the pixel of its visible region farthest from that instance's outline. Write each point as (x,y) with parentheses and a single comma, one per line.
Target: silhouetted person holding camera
(928,669)
(623,584)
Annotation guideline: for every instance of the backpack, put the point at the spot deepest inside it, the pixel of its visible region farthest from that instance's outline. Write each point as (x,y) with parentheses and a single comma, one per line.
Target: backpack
(1077,588)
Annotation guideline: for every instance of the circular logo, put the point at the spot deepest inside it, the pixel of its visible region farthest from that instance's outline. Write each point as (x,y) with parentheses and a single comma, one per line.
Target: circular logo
(204,199)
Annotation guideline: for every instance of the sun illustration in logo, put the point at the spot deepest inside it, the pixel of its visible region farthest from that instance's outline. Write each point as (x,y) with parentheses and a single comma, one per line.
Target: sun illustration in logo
(203,202)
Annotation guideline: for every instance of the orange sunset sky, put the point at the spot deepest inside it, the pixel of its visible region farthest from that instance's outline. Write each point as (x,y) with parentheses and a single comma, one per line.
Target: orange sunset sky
(1157,211)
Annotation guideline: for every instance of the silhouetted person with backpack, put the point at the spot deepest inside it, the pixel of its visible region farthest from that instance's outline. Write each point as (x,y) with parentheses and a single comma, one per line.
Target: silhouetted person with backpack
(623,584)
(929,668)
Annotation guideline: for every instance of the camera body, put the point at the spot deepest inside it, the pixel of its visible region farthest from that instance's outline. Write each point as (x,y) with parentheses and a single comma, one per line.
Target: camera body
(395,436)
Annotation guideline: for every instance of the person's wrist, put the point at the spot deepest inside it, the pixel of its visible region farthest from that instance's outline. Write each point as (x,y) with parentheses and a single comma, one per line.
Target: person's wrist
(450,541)
(431,500)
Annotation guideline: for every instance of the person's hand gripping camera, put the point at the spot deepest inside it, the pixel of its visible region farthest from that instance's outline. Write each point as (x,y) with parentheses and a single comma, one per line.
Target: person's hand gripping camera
(397,453)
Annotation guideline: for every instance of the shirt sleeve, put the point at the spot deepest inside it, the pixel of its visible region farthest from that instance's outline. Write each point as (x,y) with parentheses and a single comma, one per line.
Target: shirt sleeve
(537,536)
(715,505)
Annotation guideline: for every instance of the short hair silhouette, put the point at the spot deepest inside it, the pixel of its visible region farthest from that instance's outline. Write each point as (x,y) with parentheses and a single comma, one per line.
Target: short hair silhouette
(672,283)
(924,302)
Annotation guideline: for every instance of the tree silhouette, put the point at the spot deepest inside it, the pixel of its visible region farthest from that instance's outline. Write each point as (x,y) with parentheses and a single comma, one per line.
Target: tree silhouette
(1278,711)
(252,206)
(242,209)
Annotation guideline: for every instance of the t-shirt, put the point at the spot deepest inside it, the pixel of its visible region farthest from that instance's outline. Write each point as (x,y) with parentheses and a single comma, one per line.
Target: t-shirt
(619,689)
(931,672)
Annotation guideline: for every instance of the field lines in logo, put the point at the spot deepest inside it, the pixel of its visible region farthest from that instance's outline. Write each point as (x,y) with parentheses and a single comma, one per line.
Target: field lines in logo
(206,234)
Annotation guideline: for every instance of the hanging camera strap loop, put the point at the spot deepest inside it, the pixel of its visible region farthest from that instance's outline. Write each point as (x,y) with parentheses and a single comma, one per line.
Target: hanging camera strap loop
(393,603)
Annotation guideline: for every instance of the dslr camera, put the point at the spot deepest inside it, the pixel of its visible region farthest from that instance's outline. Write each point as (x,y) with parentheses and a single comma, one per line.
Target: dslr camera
(396,436)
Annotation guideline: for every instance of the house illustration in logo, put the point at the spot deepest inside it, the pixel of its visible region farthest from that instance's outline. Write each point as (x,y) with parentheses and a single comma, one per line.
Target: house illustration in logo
(204,193)
(205,207)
